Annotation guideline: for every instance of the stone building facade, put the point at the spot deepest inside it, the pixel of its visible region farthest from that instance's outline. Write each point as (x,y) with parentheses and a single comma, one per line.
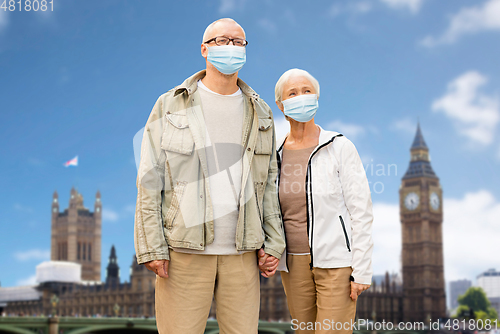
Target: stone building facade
(76,234)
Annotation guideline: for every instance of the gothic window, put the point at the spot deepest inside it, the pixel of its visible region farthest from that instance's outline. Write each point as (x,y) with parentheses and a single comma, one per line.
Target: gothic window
(84,249)
(78,252)
(90,253)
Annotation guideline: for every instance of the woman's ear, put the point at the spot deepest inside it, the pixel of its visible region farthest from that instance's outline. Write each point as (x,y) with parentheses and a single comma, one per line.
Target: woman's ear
(280,105)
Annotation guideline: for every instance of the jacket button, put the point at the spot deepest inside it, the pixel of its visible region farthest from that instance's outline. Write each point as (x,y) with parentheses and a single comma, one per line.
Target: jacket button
(201,196)
(201,244)
(168,112)
(249,149)
(270,117)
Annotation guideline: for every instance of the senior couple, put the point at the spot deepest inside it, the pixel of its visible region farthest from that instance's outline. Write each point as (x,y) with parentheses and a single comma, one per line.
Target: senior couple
(218,196)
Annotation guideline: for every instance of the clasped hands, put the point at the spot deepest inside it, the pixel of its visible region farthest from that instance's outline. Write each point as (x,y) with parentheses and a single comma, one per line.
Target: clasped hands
(267,264)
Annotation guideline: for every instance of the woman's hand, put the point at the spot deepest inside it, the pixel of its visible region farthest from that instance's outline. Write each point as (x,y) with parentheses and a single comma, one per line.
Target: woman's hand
(357,288)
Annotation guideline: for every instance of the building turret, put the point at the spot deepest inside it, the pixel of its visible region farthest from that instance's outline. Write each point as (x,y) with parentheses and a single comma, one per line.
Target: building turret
(113,270)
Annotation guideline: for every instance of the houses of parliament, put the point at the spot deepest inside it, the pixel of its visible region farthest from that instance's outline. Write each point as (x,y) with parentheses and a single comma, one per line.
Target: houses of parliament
(418,295)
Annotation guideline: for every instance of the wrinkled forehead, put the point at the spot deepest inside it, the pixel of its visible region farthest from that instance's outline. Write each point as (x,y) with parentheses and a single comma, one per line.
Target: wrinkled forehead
(297,82)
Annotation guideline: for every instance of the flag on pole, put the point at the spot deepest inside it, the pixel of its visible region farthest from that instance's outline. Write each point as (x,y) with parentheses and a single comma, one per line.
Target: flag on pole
(72,162)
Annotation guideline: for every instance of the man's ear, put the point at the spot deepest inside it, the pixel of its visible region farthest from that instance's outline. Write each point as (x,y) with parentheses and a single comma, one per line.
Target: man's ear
(204,50)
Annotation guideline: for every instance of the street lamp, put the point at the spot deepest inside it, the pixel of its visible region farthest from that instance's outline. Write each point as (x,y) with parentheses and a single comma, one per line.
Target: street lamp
(116,309)
(54,301)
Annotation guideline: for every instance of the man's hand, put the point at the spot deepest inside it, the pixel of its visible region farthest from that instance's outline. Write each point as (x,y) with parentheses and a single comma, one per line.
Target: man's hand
(357,288)
(267,263)
(159,267)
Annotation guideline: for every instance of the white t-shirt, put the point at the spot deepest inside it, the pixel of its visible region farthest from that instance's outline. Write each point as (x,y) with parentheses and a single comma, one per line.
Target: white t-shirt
(223,115)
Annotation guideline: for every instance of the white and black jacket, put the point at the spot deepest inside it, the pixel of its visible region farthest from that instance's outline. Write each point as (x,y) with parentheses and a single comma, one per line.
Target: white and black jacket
(339,207)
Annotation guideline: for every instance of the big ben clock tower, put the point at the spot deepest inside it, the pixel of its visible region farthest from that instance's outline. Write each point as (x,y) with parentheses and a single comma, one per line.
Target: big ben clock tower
(421,226)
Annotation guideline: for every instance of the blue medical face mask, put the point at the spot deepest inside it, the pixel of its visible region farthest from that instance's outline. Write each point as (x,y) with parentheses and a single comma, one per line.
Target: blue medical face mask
(228,59)
(301,108)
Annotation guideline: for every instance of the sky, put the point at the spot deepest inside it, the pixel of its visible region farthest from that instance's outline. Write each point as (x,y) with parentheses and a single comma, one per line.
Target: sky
(82,79)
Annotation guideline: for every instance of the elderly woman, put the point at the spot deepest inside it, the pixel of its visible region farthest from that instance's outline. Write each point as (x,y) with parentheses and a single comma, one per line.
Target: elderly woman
(327,213)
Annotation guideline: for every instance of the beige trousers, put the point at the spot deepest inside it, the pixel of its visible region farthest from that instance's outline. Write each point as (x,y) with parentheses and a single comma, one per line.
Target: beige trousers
(183,300)
(318,299)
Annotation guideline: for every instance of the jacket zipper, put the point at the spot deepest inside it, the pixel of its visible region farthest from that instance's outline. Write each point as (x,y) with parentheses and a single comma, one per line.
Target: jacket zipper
(310,220)
(345,234)
(281,212)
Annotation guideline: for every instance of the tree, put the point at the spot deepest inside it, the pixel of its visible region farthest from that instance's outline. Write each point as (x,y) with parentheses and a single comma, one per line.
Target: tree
(475,300)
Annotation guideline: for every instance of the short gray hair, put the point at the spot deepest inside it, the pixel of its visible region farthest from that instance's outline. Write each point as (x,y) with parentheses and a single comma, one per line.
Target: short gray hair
(292,73)
(208,31)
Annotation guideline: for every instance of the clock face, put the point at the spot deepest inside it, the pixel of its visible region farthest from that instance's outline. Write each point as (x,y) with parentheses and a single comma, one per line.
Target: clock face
(434,201)
(411,201)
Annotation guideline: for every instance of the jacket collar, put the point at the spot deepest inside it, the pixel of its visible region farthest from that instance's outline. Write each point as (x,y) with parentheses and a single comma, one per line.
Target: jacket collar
(190,85)
(324,136)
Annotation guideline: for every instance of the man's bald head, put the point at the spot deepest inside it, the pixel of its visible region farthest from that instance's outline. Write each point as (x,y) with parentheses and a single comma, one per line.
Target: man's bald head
(220,25)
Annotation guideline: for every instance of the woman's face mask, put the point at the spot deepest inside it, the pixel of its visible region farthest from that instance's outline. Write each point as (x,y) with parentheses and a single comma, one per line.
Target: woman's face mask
(301,108)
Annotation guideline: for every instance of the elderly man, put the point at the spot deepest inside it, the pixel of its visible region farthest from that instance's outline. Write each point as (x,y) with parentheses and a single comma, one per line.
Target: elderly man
(207,200)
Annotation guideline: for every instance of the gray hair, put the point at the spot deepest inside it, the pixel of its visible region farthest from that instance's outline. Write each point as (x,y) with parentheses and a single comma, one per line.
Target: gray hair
(292,73)
(208,32)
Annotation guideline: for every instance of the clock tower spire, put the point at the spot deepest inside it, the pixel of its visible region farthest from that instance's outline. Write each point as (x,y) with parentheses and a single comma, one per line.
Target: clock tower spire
(421,226)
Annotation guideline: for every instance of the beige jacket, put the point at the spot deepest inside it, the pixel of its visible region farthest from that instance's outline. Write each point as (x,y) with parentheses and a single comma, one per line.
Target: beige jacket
(173,199)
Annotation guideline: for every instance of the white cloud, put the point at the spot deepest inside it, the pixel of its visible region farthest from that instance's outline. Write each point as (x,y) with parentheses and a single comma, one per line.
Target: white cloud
(228,6)
(412,5)
(476,115)
(4,19)
(22,208)
(27,281)
(289,15)
(404,125)
(485,17)
(33,254)
(352,131)
(386,238)
(109,215)
(129,208)
(470,234)
(335,10)
(268,25)
(359,7)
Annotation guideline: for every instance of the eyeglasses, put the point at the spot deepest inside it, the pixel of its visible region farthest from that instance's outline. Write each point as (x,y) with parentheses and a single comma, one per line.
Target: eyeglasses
(221,40)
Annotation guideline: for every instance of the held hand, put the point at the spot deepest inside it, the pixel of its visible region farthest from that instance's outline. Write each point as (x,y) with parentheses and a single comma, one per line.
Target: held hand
(267,263)
(357,288)
(159,267)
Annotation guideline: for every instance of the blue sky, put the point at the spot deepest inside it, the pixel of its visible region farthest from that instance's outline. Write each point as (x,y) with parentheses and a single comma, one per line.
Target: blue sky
(81,80)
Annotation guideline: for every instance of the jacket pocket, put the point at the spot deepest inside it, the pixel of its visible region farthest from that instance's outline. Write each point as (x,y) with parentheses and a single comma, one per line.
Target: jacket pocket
(177,135)
(172,211)
(345,234)
(264,141)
